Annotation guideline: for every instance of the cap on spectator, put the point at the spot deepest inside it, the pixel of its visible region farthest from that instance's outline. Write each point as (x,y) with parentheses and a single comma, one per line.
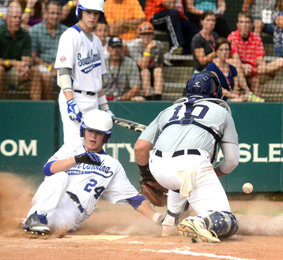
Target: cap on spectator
(115,41)
(146,27)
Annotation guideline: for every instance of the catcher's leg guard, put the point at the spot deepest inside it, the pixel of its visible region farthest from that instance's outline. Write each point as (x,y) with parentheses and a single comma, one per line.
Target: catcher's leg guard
(223,223)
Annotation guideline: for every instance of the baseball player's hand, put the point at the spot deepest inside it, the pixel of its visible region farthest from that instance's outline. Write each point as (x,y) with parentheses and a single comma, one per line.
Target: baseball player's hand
(73,111)
(88,158)
(109,112)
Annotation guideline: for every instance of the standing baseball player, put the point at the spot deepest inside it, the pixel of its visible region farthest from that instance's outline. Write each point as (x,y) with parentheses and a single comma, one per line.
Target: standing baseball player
(185,138)
(80,66)
(76,179)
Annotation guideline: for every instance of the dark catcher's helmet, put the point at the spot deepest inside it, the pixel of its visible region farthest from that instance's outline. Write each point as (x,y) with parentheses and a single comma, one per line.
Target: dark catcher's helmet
(202,85)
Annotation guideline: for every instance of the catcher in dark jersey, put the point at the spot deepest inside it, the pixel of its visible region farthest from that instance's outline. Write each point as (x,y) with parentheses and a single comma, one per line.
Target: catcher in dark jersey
(184,139)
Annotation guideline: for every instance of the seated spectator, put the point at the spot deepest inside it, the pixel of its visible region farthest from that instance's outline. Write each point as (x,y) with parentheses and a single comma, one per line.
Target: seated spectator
(168,15)
(203,43)
(122,80)
(15,55)
(101,30)
(124,18)
(33,12)
(4,10)
(148,53)
(228,76)
(69,17)
(278,29)
(261,12)
(195,8)
(248,54)
(45,39)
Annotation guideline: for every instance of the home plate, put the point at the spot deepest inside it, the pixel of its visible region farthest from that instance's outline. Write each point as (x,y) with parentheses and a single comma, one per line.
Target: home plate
(99,237)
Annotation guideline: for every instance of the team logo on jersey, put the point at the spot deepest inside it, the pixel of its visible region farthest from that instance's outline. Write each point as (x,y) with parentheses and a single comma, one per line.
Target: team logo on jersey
(82,168)
(62,59)
(90,61)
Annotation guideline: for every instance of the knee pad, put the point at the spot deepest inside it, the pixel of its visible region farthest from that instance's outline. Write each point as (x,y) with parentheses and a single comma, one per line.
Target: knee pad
(223,223)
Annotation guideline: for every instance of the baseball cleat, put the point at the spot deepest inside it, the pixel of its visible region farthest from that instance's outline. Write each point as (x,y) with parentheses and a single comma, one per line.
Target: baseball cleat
(36,224)
(197,232)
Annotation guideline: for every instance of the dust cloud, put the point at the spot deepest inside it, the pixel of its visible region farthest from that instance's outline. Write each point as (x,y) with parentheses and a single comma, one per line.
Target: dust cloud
(257,217)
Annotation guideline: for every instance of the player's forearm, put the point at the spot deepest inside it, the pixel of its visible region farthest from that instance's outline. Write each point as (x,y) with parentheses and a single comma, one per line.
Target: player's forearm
(62,165)
(142,149)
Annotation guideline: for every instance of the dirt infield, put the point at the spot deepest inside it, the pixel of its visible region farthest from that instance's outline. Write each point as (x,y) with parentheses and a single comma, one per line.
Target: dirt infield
(119,232)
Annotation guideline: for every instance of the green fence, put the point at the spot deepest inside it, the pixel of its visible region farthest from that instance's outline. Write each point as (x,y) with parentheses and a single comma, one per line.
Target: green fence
(29,134)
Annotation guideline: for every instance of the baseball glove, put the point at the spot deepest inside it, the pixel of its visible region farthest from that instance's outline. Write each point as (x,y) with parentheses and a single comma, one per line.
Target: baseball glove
(153,191)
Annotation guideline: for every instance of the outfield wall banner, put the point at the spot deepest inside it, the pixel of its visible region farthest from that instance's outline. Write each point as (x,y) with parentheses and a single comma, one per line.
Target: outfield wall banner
(27,136)
(26,125)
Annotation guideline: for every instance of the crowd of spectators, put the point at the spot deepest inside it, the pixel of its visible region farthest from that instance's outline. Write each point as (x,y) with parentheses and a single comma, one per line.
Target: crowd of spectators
(30,31)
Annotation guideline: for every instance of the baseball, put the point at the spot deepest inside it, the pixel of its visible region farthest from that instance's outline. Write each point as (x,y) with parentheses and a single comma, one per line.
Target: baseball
(247,188)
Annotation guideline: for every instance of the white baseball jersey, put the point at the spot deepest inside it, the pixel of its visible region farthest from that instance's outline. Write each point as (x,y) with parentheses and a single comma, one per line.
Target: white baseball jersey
(82,53)
(84,56)
(182,155)
(177,137)
(88,182)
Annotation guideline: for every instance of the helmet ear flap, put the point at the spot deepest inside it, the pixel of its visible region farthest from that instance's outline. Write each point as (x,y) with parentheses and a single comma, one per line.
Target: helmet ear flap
(81,131)
(106,138)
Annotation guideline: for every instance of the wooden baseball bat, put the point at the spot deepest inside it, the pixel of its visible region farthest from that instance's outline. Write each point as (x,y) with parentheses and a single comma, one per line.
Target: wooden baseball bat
(129,124)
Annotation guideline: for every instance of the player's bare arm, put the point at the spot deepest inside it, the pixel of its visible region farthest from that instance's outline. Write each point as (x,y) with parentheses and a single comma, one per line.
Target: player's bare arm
(142,149)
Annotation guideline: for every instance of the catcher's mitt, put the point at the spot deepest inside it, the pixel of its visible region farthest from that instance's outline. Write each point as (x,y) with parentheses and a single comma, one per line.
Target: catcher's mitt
(153,191)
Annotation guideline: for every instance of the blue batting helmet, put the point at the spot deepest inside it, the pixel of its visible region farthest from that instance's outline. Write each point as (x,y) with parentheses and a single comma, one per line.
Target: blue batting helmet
(202,84)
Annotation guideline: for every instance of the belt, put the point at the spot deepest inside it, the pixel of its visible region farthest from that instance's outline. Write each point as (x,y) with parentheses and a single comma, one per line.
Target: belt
(76,200)
(178,153)
(90,93)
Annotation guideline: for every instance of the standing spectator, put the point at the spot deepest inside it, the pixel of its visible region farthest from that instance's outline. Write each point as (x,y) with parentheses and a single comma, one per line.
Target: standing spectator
(101,30)
(168,15)
(278,29)
(15,55)
(45,39)
(197,7)
(248,54)
(233,91)
(148,53)
(80,66)
(69,17)
(261,12)
(203,43)
(124,18)
(122,80)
